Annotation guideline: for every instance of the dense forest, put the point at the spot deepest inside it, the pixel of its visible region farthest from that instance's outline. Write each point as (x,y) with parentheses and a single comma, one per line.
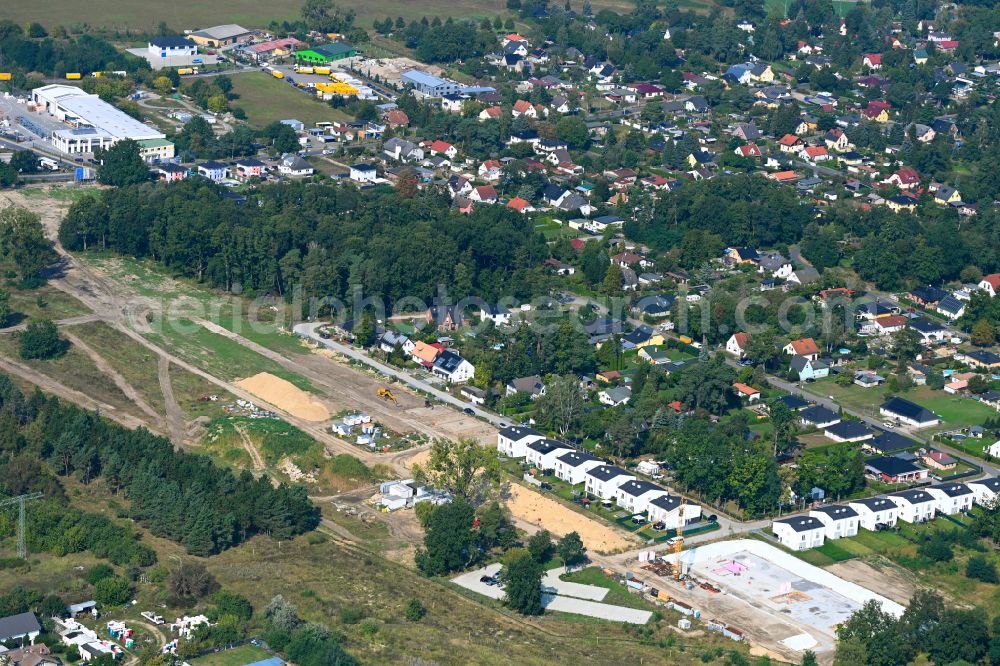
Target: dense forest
(183,497)
(54,55)
(327,239)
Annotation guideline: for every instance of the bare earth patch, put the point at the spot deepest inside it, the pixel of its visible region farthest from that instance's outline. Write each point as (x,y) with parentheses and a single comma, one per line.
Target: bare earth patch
(533,508)
(286,396)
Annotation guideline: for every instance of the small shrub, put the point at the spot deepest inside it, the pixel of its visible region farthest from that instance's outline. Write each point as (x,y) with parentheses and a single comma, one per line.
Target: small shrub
(351,615)
(980,568)
(415,610)
(316,538)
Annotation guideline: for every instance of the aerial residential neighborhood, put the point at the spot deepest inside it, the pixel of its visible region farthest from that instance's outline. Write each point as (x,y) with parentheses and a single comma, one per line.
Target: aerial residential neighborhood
(499,333)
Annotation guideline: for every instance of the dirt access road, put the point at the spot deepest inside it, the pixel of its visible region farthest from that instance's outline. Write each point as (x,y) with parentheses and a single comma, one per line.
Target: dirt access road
(118,305)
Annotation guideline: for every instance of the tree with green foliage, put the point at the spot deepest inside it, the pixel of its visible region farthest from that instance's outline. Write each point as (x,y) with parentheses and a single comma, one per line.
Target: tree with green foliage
(191,581)
(448,539)
(23,242)
(937,549)
(98,572)
(809,658)
(225,603)
(573,130)
(8,175)
(467,470)
(983,333)
(571,550)
(41,341)
(281,137)
(112,591)
(121,165)
(24,161)
(981,568)
(540,546)
(364,333)
(522,579)
(5,309)
(960,635)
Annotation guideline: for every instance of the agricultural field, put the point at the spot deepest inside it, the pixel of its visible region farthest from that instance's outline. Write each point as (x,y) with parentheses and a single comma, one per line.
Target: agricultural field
(138,16)
(266,99)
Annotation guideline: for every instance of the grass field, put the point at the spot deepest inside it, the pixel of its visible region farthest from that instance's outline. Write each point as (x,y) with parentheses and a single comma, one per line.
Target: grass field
(245,654)
(218,354)
(841,7)
(618,594)
(266,99)
(955,410)
(137,364)
(183,14)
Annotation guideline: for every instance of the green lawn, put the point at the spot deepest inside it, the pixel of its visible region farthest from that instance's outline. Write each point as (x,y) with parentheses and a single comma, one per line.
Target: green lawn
(245,654)
(955,410)
(618,594)
(266,99)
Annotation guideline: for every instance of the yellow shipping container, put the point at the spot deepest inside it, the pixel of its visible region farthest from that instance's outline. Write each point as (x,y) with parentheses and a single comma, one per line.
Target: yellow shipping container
(4,76)
(278,75)
(321,70)
(304,70)
(185,70)
(686,340)
(73,76)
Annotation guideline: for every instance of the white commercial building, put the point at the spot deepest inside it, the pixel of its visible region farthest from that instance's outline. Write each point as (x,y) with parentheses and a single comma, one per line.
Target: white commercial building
(94,124)
(875,513)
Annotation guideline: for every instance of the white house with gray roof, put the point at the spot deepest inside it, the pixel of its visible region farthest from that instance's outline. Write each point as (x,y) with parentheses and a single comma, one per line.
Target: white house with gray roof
(951,498)
(669,510)
(915,506)
(799,532)
(838,520)
(543,452)
(603,481)
(572,467)
(985,491)
(635,495)
(512,441)
(875,513)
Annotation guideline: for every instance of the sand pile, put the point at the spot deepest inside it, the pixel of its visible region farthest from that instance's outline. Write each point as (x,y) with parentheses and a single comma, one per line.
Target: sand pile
(536,509)
(285,396)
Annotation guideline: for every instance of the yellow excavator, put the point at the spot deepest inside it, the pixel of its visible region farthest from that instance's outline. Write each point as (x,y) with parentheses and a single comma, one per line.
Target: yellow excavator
(386,394)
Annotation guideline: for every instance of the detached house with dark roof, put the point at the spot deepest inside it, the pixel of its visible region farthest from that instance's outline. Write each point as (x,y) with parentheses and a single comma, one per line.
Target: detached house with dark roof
(799,532)
(951,498)
(908,412)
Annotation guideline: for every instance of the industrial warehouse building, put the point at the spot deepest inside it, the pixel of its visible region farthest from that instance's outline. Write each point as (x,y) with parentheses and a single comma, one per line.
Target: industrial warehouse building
(430,85)
(94,124)
(221,35)
(325,53)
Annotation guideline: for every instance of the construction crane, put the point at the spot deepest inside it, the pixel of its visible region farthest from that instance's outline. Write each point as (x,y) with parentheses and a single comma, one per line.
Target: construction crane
(679,540)
(386,394)
(22,550)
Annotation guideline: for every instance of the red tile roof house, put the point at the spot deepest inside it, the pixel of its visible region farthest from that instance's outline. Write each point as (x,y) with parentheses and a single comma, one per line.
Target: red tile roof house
(737,344)
(749,150)
(789,143)
(748,392)
(440,147)
(872,61)
(484,194)
(523,108)
(905,178)
(803,347)
(520,205)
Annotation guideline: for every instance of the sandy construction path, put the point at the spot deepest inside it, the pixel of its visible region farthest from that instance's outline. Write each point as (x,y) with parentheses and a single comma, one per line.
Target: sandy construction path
(532,507)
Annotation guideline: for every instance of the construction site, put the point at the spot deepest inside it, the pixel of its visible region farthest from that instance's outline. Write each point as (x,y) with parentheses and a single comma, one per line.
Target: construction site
(779,602)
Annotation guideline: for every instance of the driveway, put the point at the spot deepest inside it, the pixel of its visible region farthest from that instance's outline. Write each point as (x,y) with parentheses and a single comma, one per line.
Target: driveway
(559,602)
